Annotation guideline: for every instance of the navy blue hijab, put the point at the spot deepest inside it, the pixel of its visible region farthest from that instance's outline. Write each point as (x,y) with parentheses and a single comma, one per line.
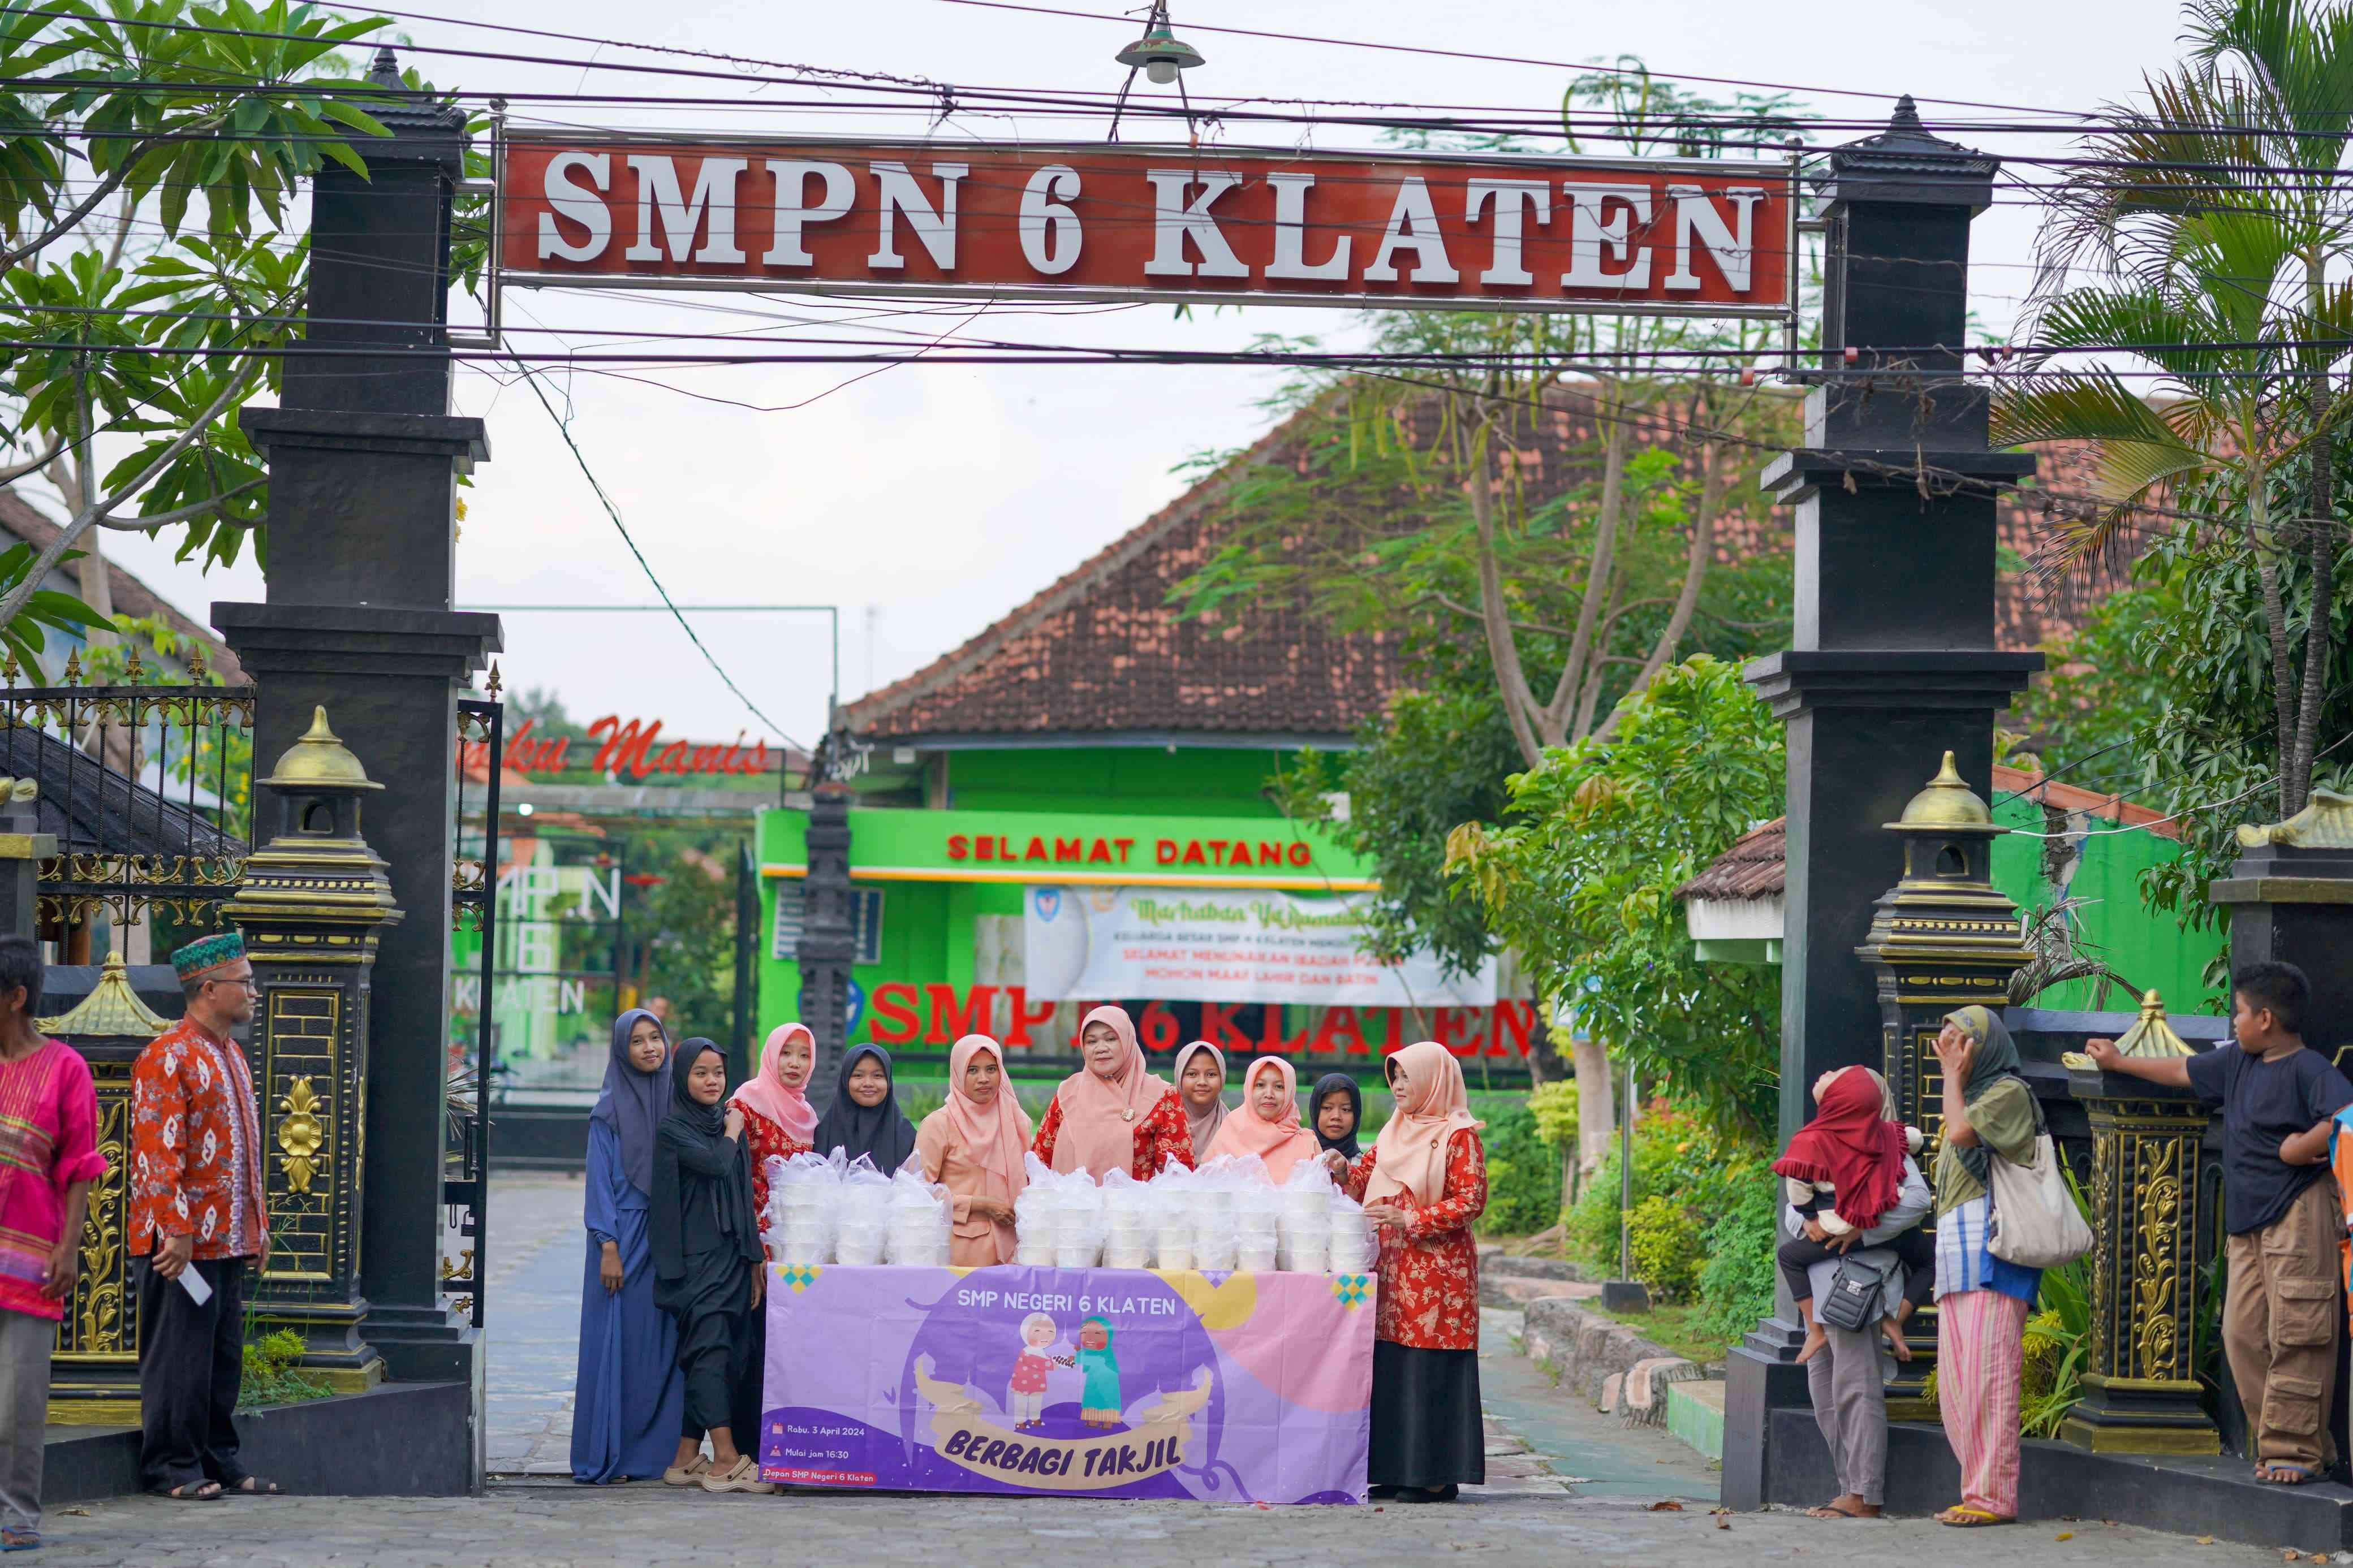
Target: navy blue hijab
(632,1103)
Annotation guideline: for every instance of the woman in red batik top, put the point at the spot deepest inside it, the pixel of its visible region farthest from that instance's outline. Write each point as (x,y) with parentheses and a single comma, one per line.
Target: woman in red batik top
(778,1120)
(1424,1181)
(1113,1113)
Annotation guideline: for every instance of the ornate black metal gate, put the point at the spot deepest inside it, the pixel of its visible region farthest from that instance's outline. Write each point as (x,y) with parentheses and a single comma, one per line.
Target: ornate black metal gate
(474,906)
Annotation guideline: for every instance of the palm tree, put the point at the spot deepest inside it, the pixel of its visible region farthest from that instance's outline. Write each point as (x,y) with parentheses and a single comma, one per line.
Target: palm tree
(2213,214)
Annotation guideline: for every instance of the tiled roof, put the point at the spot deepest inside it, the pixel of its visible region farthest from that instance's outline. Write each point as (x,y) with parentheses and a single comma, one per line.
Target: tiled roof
(1102,652)
(1752,868)
(1758,863)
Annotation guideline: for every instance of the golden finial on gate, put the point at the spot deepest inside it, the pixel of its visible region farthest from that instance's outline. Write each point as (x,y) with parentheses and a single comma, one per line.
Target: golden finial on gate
(494,678)
(73,668)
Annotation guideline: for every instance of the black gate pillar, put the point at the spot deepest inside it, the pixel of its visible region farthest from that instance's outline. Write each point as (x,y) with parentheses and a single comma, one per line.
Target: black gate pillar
(364,463)
(829,941)
(2290,902)
(1894,662)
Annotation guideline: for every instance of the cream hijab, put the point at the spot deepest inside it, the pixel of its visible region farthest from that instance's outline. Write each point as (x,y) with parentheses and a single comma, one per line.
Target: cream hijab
(1410,1156)
(1101,1115)
(1204,1124)
(1282,1142)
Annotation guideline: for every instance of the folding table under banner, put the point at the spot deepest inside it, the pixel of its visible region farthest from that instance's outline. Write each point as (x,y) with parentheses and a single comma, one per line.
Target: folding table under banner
(1114,1382)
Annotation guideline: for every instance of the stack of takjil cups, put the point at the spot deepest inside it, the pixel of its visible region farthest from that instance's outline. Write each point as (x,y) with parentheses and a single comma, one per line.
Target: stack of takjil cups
(861,1214)
(802,1191)
(1307,1219)
(1033,1246)
(1354,1248)
(1074,1221)
(1128,1227)
(1257,1225)
(917,1223)
(1216,1198)
(1172,1217)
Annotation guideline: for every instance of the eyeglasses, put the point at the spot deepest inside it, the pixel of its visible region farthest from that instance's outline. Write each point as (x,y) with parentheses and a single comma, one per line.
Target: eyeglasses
(249,983)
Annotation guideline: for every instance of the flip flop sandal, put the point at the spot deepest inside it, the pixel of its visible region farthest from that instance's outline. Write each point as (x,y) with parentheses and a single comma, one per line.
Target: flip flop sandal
(1830,1509)
(678,1476)
(191,1491)
(20,1540)
(254,1486)
(2271,1472)
(1963,1516)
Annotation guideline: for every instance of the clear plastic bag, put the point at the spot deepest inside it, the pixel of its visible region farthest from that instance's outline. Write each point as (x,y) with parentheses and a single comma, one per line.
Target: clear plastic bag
(916,1223)
(1307,1210)
(802,1195)
(1353,1248)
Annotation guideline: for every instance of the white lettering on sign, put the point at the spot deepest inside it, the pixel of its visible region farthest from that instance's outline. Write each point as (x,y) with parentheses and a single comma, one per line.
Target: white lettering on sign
(714,195)
(1589,232)
(793,210)
(1051,236)
(1512,199)
(577,203)
(1413,225)
(1734,249)
(1390,231)
(902,197)
(1175,219)
(1291,233)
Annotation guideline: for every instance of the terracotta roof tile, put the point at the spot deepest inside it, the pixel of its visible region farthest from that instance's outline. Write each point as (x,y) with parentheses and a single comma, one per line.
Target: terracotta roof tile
(1102,652)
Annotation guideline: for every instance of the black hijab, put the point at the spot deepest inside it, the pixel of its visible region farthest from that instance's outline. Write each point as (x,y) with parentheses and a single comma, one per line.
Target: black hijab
(632,1102)
(698,1133)
(881,1132)
(1337,1083)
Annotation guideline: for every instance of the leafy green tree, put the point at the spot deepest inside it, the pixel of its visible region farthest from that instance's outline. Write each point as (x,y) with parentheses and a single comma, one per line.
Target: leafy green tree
(193,124)
(1581,881)
(2216,254)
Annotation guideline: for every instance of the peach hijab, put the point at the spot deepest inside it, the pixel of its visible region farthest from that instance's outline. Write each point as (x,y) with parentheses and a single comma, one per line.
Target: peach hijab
(995,1135)
(1282,1142)
(1410,1156)
(1100,1115)
(766,1093)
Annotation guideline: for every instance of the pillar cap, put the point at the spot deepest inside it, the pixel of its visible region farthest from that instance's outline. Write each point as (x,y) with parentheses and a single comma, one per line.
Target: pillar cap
(1948,804)
(2324,823)
(320,760)
(1905,163)
(112,1011)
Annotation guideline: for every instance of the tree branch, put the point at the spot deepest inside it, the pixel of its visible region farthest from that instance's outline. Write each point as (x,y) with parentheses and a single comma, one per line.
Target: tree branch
(1605,548)
(12,603)
(178,514)
(1518,699)
(105,189)
(10,475)
(1714,483)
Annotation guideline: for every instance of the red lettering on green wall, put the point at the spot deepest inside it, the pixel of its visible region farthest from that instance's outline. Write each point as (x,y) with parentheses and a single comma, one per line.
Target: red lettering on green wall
(1070,849)
(952,1019)
(1024,1016)
(894,1003)
(958,846)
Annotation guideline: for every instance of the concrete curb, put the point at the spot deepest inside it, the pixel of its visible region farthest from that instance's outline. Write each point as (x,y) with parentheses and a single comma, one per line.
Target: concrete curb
(1603,1361)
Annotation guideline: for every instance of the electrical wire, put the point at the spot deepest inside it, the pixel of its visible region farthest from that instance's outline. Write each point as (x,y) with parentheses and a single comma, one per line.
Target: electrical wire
(563,428)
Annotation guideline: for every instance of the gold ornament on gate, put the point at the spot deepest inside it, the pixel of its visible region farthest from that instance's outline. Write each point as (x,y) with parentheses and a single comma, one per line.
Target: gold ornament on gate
(300,1135)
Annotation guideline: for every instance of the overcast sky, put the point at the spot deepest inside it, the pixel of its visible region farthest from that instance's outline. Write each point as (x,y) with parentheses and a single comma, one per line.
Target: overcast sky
(926,501)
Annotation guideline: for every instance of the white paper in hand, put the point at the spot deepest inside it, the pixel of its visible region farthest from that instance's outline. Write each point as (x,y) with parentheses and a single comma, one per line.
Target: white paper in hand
(194,1284)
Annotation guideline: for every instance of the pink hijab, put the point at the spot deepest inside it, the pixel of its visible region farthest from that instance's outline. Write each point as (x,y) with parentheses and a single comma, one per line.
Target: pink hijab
(1100,1115)
(996,1134)
(1410,1156)
(1282,1142)
(766,1094)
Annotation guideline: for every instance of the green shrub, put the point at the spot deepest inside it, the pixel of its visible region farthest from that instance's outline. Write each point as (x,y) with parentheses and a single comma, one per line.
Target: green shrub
(270,1376)
(1735,1287)
(1523,1174)
(1665,1239)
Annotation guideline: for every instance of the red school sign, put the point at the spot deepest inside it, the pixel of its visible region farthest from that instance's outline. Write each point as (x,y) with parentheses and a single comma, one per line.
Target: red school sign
(631,750)
(1662,236)
(936,1015)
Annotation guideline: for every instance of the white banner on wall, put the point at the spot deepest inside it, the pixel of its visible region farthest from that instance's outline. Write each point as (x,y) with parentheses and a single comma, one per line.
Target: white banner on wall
(1175,944)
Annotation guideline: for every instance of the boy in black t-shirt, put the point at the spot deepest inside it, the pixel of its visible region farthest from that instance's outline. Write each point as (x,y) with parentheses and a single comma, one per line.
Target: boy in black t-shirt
(2279,1101)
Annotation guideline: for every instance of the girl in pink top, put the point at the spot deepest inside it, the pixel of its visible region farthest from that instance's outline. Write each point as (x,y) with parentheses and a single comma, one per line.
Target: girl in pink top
(1024,1394)
(48,1158)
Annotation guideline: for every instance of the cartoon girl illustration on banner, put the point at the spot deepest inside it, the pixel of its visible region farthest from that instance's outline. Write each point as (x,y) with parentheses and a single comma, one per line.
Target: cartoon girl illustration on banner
(1024,1394)
(1099,1401)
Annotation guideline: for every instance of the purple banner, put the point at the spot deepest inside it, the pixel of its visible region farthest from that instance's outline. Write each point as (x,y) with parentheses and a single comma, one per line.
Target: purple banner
(1086,1381)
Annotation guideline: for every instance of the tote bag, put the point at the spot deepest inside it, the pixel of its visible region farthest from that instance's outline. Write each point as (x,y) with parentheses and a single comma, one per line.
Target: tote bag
(2035,1222)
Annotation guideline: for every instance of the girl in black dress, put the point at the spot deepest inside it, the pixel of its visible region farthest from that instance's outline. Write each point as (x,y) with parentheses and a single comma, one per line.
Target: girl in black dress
(709,1271)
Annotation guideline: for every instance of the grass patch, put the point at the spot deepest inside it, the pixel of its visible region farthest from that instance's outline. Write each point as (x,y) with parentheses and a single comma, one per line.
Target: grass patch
(1678,1328)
